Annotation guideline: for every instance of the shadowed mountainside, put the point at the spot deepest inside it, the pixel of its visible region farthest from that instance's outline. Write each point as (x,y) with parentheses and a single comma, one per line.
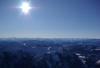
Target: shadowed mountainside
(49,53)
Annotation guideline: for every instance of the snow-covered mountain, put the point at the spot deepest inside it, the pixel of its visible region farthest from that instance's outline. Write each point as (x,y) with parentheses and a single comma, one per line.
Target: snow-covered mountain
(49,53)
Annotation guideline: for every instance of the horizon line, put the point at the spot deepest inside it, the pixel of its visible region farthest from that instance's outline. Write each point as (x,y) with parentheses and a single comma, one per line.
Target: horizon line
(46,38)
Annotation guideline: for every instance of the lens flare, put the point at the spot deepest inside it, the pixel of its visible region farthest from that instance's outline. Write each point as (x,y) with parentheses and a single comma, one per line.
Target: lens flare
(25,7)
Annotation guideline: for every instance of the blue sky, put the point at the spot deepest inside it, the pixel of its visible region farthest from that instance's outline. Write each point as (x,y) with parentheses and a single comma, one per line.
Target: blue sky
(51,18)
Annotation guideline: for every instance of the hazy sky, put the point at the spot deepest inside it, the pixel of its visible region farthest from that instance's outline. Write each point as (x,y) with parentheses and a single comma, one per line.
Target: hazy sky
(51,18)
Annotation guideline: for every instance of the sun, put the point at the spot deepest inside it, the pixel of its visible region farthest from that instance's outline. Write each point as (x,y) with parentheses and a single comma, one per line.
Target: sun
(25,7)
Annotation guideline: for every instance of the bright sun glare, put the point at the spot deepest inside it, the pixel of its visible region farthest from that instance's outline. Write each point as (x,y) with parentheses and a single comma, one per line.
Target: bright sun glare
(25,7)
